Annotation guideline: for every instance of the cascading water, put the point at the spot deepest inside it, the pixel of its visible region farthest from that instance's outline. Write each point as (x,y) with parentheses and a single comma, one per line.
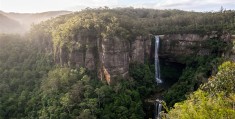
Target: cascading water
(157,65)
(158,105)
(158,109)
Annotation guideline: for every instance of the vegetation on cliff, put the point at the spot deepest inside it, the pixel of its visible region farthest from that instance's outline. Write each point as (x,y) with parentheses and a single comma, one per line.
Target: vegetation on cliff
(34,87)
(214,99)
(196,72)
(39,80)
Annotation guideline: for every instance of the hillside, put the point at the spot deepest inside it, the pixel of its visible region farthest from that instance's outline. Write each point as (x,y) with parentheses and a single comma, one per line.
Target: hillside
(25,20)
(100,64)
(8,25)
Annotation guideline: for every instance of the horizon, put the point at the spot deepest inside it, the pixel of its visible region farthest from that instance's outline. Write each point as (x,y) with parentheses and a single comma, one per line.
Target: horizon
(29,6)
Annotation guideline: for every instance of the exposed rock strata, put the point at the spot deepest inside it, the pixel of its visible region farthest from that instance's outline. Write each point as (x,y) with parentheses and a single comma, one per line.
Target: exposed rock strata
(111,57)
(175,46)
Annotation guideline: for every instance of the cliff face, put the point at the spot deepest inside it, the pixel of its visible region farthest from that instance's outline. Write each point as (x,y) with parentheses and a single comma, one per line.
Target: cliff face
(111,57)
(178,45)
(232,53)
(108,57)
(174,47)
(114,56)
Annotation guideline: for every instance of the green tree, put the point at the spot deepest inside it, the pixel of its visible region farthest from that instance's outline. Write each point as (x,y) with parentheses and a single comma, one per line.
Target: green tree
(215,99)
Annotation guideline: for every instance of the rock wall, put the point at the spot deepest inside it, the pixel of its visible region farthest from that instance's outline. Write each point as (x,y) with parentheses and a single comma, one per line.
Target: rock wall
(140,49)
(111,57)
(115,56)
(108,57)
(232,53)
(175,46)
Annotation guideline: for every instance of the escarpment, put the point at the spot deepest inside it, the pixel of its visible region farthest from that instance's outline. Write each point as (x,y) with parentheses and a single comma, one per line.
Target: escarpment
(111,57)
(118,63)
(176,47)
(109,40)
(108,57)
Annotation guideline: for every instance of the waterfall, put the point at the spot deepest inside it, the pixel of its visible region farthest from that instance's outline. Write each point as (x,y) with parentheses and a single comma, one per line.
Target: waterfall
(158,105)
(157,65)
(158,109)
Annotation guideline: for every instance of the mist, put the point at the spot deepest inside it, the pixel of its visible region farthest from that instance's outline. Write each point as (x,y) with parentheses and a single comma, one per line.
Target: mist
(20,23)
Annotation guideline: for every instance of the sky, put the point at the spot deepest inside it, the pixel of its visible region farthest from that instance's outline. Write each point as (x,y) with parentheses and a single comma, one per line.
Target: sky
(33,6)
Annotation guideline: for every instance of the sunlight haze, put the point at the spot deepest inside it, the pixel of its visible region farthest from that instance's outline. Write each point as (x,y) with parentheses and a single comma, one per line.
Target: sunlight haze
(117,59)
(32,6)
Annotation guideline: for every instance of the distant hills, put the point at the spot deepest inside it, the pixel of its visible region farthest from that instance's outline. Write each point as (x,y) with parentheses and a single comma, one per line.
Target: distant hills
(8,25)
(21,22)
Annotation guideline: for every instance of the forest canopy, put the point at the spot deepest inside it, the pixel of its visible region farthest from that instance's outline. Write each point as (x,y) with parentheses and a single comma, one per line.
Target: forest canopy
(34,85)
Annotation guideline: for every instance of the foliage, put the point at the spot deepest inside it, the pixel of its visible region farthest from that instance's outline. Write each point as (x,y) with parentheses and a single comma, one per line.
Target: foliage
(144,77)
(33,85)
(198,69)
(195,73)
(215,99)
(223,81)
(68,32)
(22,67)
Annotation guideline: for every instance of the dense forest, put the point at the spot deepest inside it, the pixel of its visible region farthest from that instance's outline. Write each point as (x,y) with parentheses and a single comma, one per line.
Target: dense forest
(36,81)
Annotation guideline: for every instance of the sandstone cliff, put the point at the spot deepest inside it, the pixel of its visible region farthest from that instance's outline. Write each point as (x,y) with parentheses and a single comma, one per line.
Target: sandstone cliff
(175,47)
(108,57)
(111,57)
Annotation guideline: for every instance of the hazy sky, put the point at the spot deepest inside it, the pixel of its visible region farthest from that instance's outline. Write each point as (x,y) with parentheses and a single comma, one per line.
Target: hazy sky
(52,5)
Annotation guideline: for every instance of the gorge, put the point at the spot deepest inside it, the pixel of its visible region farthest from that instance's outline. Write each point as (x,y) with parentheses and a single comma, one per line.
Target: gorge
(106,64)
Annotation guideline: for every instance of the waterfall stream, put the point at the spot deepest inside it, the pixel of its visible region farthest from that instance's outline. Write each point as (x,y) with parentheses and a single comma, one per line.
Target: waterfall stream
(157,65)
(158,109)
(158,105)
